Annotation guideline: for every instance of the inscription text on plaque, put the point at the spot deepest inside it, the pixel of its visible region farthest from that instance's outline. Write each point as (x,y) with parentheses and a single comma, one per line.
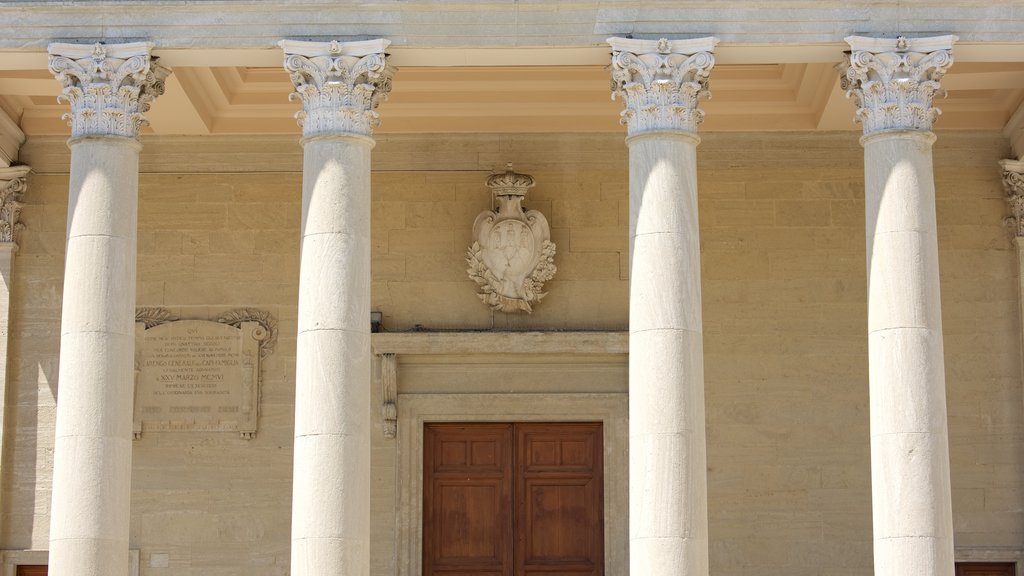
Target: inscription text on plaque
(198,375)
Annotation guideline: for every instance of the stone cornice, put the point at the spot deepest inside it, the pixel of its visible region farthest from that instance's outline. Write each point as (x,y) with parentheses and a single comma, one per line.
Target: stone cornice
(661,82)
(109,86)
(25,24)
(893,80)
(340,84)
(12,188)
(1013,182)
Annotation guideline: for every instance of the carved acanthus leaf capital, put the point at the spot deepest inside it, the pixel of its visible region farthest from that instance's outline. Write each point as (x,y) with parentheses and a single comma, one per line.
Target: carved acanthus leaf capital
(109,87)
(1013,182)
(13,183)
(661,82)
(340,84)
(893,81)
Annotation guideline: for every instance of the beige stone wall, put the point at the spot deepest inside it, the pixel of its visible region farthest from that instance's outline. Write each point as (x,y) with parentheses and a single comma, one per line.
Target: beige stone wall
(784,310)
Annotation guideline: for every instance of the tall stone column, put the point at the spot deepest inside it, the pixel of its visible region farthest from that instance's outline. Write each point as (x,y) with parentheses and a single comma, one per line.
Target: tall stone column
(109,88)
(661,83)
(340,85)
(893,82)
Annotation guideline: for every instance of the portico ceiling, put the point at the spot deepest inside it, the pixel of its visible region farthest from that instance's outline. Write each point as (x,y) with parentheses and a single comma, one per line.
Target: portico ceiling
(521,98)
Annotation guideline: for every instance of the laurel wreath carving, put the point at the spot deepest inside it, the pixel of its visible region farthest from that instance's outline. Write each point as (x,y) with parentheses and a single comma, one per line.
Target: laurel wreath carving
(490,285)
(154,316)
(239,315)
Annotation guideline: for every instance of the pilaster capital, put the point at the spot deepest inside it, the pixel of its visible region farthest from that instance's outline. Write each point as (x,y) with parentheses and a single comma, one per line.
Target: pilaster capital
(340,84)
(893,80)
(109,86)
(12,187)
(661,82)
(1013,182)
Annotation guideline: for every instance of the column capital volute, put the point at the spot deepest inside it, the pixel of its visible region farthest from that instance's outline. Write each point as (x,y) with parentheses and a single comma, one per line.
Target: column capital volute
(894,80)
(340,84)
(661,82)
(109,86)
(13,183)
(1013,182)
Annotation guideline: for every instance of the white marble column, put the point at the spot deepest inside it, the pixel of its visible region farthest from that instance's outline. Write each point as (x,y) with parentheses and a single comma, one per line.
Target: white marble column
(109,88)
(340,85)
(661,83)
(893,82)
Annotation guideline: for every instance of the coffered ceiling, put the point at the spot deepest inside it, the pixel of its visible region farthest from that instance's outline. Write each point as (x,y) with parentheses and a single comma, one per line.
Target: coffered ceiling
(521,98)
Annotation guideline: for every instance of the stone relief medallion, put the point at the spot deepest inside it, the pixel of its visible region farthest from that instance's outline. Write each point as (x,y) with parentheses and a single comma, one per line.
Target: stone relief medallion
(512,255)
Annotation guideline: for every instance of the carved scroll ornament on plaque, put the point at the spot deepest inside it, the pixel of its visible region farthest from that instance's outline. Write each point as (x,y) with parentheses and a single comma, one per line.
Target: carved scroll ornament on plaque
(512,255)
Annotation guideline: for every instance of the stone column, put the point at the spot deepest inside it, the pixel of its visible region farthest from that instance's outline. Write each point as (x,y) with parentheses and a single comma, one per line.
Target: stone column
(339,84)
(109,88)
(893,82)
(661,83)
(12,186)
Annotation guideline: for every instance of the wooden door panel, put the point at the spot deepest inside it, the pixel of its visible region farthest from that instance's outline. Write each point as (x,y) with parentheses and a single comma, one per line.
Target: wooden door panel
(467,484)
(465,534)
(476,455)
(554,570)
(557,521)
(559,499)
(985,569)
(33,570)
(547,449)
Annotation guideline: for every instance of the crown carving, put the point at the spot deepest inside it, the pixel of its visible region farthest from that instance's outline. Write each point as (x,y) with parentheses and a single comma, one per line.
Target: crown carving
(510,183)
(109,87)
(661,82)
(340,84)
(894,81)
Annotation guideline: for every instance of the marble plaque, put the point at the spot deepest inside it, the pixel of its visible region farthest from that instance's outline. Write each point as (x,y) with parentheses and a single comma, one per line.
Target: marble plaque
(198,375)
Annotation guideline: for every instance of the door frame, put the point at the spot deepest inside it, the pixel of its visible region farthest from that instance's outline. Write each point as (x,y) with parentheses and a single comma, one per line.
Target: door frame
(414,410)
(11,559)
(1010,554)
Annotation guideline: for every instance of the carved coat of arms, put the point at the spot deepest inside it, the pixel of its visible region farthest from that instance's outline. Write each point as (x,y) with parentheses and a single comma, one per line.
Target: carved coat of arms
(512,255)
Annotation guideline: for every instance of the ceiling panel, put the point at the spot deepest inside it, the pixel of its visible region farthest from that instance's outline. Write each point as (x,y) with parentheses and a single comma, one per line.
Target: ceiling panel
(745,97)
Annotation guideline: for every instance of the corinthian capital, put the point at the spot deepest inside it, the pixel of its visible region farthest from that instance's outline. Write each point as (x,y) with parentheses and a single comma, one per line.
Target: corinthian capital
(109,86)
(12,187)
(1013,181)
(661,82)
(893,81)
(340,84)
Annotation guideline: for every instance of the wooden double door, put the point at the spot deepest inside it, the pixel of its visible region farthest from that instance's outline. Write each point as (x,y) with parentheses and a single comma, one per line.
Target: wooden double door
(513,499)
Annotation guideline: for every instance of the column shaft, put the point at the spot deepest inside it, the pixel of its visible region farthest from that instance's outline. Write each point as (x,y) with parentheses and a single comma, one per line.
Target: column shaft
(667,462)
(911,502)
(93,446)
(330,506)
(109,88)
